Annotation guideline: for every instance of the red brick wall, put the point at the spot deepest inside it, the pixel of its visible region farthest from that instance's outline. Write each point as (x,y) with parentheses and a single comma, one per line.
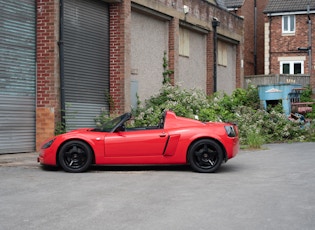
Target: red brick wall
(173,47)
(47,69)
(312,79)
(120,14)
(239,70)
(116,34)
(261,5)
(210,82)
(247,11)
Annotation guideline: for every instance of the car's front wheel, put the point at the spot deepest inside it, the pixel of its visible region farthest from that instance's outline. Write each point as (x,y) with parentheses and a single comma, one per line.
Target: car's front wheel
(75,156)
(205,156)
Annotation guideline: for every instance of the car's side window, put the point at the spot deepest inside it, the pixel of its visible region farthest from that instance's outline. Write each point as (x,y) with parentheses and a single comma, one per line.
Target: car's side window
(129,125)
(162,121)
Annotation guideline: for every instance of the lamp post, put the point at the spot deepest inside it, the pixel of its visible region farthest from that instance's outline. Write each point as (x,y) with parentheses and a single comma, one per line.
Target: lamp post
(215,24)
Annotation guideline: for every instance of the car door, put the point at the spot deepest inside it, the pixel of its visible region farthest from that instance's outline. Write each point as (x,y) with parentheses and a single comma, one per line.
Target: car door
(136,143)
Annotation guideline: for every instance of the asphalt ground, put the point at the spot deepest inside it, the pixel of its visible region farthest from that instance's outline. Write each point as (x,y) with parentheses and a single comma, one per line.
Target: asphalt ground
(273,188)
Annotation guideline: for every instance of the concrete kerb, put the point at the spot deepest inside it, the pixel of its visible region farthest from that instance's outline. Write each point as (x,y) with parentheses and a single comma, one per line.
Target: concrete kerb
(18,159)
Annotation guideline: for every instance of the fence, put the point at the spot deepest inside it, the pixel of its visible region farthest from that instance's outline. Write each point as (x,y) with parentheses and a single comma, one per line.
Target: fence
(301,79)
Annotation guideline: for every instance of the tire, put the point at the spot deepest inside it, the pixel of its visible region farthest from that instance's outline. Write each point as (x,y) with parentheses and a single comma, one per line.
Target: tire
(75,156)
(205,156)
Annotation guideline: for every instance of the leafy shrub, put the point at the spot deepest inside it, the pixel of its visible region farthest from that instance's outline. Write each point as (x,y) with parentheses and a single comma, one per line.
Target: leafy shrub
(241,107)
(256,126)
(306,96)
(183,102)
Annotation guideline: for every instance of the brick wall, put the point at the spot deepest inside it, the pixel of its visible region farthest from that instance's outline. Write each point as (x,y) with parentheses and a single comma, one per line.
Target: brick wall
(47,69)
(247,11)
(239,70)
(261,5)
(312,79)
(173,48)
(210,82)
(120,14)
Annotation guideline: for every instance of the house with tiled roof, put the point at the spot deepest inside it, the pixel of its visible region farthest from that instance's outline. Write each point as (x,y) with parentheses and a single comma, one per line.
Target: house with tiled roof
(252,12)
(290,38)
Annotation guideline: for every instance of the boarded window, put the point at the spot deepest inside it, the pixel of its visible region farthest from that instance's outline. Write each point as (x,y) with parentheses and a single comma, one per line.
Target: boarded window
(183,42)
(222,53)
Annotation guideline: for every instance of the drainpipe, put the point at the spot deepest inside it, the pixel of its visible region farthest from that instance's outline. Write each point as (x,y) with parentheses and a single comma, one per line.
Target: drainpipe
(61,63)
(309,39)
(255,37)
(270,20)
(215,24)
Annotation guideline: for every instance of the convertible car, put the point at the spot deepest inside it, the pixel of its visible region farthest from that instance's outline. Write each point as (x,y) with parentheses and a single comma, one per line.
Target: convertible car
(175,140)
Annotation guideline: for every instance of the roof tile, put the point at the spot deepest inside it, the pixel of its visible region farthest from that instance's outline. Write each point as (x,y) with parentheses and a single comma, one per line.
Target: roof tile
(277,6)
(233,3)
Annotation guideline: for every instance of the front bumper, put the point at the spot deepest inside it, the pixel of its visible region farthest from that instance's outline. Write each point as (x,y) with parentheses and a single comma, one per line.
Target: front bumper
(47,157)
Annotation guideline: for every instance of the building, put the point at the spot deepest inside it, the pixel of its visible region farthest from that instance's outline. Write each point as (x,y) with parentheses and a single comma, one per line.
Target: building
(65,61)
(290,38)
(253,13)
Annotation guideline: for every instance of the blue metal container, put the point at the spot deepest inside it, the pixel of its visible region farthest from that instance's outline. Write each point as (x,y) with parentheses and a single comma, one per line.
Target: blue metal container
(277,93)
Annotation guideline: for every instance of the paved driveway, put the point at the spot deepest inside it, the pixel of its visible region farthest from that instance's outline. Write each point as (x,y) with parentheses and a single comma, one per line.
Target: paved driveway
(266,189)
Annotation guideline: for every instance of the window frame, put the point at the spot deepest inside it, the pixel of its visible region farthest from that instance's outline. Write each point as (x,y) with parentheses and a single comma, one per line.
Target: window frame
(289,22)
(291,66)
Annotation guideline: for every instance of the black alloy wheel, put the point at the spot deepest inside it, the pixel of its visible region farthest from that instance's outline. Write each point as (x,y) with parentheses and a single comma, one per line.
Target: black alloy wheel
(75,156)
(205,156)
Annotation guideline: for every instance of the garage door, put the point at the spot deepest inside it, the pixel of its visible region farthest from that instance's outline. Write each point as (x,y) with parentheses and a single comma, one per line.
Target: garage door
(17,80)
(86,61)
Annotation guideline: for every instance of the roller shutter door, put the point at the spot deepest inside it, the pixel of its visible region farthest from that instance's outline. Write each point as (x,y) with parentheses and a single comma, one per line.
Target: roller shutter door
(17,76)
(86,61)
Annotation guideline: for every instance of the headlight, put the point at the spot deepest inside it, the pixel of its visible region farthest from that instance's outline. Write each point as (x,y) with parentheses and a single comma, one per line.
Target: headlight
(230,131)
(48,144)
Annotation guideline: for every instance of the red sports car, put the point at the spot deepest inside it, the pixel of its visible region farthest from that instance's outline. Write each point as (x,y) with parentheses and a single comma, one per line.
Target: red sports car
(175,140)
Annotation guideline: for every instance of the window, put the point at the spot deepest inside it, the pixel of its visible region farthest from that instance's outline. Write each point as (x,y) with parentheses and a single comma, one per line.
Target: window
(288,24)
(183,42)
(292,67)
(222,53)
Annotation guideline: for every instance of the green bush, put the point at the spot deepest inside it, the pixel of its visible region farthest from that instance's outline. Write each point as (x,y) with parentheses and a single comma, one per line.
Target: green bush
(183,102)
(256,126)
(242,107)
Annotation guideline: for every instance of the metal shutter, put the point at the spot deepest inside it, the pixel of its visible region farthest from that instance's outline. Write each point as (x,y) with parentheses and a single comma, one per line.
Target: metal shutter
(17,76)
(86,61)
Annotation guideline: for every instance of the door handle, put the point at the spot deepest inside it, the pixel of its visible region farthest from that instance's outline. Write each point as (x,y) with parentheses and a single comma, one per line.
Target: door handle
(163,134)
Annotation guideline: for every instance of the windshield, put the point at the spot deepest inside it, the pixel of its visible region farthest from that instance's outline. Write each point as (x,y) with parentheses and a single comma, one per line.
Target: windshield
(110,125)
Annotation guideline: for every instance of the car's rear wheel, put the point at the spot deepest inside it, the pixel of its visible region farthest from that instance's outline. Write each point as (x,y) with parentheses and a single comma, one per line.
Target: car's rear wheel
(75,156)
(205,156)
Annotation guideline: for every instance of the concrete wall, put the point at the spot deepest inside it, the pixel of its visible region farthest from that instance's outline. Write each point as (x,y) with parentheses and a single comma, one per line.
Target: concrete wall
(149,40)
(227,74)
(193,68)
